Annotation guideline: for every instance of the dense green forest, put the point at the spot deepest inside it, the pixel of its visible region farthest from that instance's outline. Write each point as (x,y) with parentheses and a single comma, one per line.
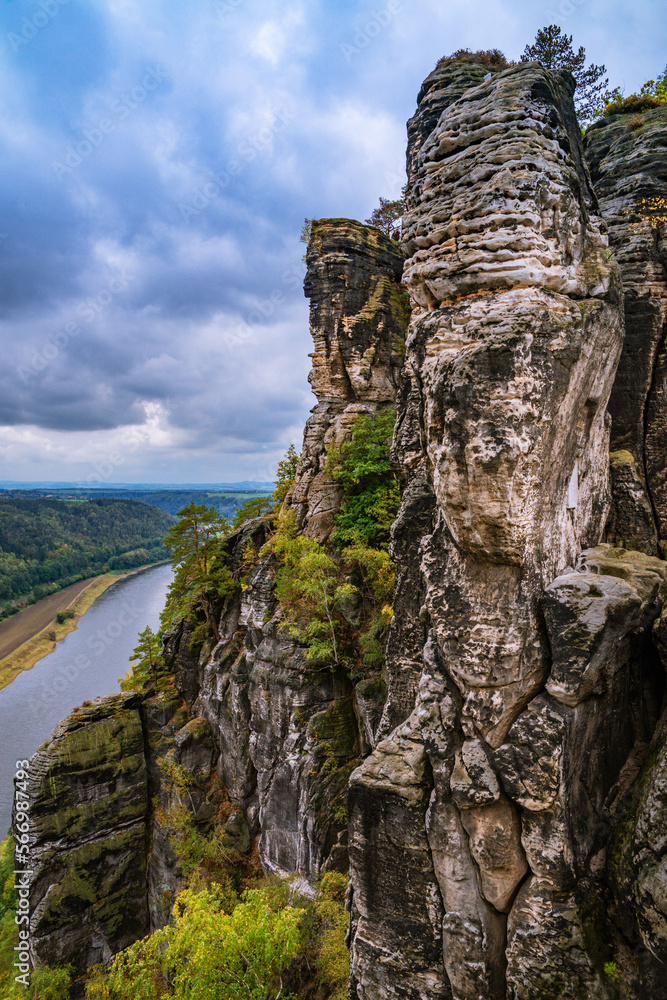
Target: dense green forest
(46,544)
(225,502)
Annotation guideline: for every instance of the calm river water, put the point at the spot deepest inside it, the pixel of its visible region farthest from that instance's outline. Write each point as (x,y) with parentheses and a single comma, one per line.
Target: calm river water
(86,663)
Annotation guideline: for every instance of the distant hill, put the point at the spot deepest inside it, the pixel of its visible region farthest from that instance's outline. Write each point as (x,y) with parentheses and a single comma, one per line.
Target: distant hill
(168,499)
(47,543)
(11,484)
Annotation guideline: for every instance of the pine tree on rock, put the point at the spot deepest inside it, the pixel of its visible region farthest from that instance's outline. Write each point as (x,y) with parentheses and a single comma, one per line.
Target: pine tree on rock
(553,49)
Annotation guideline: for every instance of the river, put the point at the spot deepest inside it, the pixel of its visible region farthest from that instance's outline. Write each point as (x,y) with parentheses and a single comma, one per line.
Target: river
(88,662)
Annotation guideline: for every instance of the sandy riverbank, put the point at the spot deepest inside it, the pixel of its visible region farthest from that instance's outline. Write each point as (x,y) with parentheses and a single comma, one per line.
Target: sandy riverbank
(32,634)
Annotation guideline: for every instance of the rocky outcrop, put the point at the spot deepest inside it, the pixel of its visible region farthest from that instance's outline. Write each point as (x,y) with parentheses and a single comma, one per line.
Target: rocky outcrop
(88,793)
(626,154)
(358,319)
(286,731)
(502,734)
(505,779)
(638,869)
(252,738)
(289,732)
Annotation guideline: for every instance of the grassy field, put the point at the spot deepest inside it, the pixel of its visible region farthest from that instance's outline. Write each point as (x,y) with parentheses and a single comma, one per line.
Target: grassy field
(17,629)
(33,639)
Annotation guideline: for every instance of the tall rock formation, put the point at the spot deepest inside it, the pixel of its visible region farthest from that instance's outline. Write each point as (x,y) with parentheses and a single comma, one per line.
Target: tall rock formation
(258,734)
(626,155)
(358,317)
(475,842)
(506,777)
(277,717)
(88,793)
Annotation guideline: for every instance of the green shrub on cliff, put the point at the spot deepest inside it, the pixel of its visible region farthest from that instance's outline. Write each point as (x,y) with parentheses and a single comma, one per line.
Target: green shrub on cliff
(216,949)
(9,936)
(337,600)
(652,95)
(285,474)
(201,577)
(362,467)
(268,942)
(331,959)
(258,507)
(311,592)
(148,666)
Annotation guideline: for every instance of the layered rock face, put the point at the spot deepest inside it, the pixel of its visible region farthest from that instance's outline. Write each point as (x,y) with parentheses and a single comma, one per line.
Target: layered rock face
(88,825)
(265,740)
(626,154)
(358,318)
(477,824)
(289,732)
(507,786)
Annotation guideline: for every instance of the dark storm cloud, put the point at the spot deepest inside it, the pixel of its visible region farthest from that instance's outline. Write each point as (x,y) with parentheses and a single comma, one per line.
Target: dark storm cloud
(158,162)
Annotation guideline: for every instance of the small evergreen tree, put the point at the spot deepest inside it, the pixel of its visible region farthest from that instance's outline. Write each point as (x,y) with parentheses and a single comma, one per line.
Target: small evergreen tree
(306,231)
(285,473)
(147,661)
(553,49)
(201,578)
(388,216)
(254,507)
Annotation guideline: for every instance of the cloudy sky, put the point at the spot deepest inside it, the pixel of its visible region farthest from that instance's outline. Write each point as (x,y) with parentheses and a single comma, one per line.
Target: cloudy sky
(158,160)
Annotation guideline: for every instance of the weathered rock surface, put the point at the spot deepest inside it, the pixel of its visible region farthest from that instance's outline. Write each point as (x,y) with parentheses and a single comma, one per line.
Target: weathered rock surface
(528,676)
(254,729)
(638,861)
(105,872)
(289,732)
(88,824)
(626,155)
(358,319)
(506,778)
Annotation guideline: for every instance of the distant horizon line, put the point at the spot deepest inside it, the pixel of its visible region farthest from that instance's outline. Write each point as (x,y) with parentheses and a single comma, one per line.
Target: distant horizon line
(80,485)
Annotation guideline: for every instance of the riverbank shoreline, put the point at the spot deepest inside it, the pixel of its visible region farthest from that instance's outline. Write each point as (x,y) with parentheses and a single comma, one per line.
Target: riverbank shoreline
(34,647)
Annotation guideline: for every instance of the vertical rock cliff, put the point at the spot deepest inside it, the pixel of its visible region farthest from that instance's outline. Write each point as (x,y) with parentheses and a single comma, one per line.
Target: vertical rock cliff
(88,791)
(276,717)
(257,734)
(476,825)
(358,316)
(505,778)
(626,154)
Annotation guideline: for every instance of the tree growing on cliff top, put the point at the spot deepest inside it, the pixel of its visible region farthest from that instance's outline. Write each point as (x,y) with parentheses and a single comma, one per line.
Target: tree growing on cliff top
(388,215)
(285,474)
(553,49)
(201,578)
(147,662)
(259,506)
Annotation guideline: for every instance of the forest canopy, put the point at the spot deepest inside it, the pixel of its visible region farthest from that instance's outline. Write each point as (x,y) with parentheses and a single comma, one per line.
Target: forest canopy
(47,544)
